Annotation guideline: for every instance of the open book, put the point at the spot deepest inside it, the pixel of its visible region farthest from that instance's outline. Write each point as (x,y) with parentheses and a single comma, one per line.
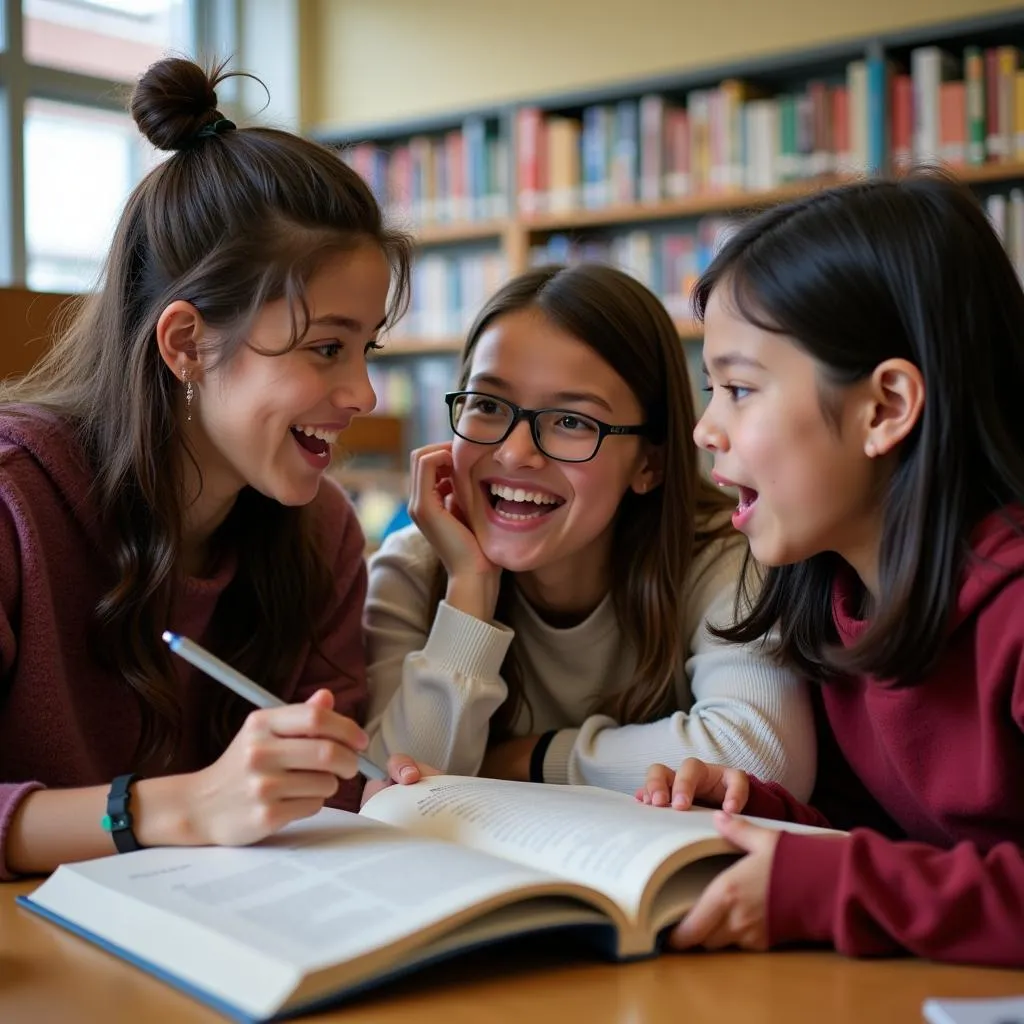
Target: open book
(338,902)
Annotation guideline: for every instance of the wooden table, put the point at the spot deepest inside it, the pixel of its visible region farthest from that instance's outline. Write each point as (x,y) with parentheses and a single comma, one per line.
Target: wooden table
(48,975)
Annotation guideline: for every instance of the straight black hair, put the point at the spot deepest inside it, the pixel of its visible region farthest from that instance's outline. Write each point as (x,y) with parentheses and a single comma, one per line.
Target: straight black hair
(855,275)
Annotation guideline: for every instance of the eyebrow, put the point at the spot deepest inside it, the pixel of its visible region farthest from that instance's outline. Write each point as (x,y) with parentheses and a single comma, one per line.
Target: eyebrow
(346,322)
(561,396)
(730,360)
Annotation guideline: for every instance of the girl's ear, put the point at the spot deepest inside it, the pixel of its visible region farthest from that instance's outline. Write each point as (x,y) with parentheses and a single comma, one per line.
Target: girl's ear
(896,400)
(178,333)
(651,471)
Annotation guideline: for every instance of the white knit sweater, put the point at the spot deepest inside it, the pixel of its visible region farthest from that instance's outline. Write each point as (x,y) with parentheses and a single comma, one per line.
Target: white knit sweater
(434,685)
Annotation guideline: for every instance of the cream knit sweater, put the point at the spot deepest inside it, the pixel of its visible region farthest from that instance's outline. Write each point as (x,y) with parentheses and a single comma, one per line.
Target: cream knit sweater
(435,684)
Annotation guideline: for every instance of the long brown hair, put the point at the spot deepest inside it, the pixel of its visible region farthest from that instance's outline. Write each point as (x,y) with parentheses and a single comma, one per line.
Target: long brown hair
(657,534)
(905,269)
(232,220)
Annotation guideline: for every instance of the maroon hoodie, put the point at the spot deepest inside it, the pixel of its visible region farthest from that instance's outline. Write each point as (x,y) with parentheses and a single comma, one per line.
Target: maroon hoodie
(937,771)
(64,719)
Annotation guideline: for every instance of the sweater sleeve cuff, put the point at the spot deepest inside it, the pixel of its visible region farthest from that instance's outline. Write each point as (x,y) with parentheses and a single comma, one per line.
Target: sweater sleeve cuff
(802,892)
(460,643)
(765,800)
(10,799)
(556,760)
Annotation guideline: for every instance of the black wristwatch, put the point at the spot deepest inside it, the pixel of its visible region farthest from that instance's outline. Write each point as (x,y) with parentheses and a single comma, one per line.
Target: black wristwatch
(538,754)
(118,819)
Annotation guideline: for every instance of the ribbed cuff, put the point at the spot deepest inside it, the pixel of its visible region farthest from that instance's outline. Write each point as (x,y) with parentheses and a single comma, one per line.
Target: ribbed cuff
(802,891)
(10,797)
(463,644)
(556,760)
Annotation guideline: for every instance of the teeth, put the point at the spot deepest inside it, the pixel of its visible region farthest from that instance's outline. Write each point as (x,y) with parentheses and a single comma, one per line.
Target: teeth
(519,494)
(330,436)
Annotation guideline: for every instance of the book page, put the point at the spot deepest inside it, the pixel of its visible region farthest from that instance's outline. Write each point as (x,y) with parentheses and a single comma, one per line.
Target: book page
(595,837)
(325,890)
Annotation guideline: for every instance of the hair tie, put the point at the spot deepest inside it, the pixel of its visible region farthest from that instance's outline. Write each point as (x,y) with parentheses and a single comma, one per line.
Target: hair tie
(218,127)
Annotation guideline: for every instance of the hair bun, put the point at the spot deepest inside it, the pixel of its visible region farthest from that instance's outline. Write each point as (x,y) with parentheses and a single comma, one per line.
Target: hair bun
(173,99)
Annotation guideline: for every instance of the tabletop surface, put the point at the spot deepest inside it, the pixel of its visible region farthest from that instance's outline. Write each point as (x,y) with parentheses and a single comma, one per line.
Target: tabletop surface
(47,974)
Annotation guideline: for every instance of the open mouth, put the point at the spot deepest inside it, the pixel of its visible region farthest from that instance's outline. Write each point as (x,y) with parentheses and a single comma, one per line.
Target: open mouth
(747,497)
(518,504)
(315,440)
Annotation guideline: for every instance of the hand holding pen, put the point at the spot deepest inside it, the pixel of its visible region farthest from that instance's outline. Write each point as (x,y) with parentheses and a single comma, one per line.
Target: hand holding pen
(284,764)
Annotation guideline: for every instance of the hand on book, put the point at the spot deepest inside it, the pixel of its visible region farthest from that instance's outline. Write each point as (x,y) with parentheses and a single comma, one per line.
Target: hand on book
(403,770)
(695,781)
(733,909)
(281,766)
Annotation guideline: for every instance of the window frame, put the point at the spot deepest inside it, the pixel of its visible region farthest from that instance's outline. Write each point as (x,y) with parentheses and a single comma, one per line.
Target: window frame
(214,30)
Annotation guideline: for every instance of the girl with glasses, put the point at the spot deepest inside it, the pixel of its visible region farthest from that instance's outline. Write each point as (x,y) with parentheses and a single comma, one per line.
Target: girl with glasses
(547,616)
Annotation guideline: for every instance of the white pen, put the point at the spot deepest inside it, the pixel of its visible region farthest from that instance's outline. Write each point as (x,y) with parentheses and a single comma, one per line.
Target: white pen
(209,663)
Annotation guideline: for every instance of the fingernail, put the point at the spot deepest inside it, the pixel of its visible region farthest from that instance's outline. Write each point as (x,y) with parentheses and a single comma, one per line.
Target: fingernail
(408,772)
(679,801)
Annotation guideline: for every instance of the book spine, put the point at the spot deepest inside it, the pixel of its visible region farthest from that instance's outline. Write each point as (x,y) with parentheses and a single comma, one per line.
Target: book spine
(993,138)
(953,123)
(529,159)
(1008,59)
(1015,217)
(1019,113)
(877,107)
(821,153)
(677,175)
(856,84)
(653,138)
(902,123)
(974,79)
(474,168)
(698,108)
(626,152)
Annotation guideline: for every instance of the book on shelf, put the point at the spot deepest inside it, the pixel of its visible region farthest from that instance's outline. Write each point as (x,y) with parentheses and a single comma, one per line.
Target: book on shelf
(341,902)
(456,176)
(963,107)
(667,260)
(447,292)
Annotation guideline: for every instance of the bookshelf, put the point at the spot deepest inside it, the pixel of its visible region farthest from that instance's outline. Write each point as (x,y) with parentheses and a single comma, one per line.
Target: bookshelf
(465,185)
(526,182)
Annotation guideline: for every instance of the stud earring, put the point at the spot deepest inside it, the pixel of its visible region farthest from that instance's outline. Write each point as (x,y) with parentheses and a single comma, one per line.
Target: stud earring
(189,393)
(869,449)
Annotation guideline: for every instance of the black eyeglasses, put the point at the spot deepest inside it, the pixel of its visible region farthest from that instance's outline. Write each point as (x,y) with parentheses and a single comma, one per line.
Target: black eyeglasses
(561,434)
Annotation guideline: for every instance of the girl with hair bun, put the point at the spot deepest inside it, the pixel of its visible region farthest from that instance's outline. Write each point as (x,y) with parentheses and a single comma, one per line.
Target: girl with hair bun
(163,468)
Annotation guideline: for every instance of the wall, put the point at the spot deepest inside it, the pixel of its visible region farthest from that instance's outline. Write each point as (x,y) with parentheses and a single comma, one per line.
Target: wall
(377,60)
(28,319)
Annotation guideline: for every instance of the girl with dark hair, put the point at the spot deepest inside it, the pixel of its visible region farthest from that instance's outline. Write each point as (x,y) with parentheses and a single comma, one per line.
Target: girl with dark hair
(865,352)
(547,616)
(163,468)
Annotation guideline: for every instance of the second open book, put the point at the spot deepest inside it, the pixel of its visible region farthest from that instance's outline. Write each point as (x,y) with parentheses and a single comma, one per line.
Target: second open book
(340,901)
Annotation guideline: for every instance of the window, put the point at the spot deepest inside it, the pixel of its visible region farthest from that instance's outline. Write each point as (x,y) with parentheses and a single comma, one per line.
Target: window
(69,152)
(108,38)
(80,165)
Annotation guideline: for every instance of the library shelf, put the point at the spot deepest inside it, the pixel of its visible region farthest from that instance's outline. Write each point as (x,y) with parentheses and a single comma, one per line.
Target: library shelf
(457,232)
(995,173)
(673,209)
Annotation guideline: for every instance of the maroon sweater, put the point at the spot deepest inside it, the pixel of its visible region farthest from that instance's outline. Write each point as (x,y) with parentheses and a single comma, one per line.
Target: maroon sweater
(937,772)
(64,719)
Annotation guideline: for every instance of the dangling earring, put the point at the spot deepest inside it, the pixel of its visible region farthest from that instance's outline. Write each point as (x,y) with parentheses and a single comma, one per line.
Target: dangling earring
(189,392)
